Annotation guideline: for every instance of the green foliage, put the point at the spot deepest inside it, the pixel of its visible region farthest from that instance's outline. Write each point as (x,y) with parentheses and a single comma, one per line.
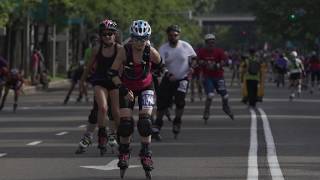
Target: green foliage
(6,7)
(294,20)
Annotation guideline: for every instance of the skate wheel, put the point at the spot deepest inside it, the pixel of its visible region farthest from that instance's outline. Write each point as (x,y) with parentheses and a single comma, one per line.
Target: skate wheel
(148,175)
(122,172)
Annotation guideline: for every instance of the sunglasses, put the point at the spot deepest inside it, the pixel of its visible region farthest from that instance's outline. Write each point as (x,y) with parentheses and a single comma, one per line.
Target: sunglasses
(140,39)
(173,35)
(107,34)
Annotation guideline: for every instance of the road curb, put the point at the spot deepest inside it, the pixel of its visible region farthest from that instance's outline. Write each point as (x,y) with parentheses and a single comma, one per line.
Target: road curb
(52,84)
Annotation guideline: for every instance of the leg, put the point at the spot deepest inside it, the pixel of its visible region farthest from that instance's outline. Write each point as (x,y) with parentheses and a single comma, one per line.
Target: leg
(101,98)
(180,103)
(164,100)
(222,90)
(252,86)
(6,91)
(199,85)
(208,86)
(125,130)
(16,96)
(144,127)
(86,139)
(69,93)
(114,116)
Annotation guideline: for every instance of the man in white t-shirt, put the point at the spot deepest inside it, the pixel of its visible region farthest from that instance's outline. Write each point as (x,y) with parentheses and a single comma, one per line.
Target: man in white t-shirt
(178,57)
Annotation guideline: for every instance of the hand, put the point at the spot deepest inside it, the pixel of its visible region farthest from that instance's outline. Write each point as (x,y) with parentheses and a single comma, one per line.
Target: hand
(190,73)
(129,96)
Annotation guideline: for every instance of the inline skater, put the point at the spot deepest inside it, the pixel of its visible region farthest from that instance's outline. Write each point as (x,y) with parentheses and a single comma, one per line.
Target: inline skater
(136,58)
(212,59)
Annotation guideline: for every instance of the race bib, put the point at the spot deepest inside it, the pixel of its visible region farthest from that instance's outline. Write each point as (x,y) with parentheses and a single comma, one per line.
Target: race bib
(183,86)
(147,98)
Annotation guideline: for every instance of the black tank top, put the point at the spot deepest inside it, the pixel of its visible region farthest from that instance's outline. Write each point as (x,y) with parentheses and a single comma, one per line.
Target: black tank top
(104,63)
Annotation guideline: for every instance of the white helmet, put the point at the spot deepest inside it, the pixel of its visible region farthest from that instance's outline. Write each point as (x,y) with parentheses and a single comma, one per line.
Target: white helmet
(209,36)
(294,53)
(14,71)
(140,28)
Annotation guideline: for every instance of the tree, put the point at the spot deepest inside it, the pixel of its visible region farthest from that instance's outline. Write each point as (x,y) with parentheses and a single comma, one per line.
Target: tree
(294,20)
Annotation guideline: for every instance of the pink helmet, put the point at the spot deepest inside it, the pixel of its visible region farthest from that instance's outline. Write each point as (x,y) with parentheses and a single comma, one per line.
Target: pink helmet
(107,24)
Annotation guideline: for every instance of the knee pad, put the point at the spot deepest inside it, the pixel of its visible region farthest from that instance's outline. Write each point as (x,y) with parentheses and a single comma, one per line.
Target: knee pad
(93,117)
(145,126)
(125,128)
(210,95)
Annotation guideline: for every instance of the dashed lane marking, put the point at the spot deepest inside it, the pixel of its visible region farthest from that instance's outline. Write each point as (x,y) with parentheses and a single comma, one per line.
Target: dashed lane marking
(34,143)
(82,126)
(3,154)
(62,133)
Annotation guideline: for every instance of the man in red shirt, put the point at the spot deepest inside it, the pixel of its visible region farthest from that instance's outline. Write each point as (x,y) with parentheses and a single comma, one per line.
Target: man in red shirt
(212,60)
(315,71)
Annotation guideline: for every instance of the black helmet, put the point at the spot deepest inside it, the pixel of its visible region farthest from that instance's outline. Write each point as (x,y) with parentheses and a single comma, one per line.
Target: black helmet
(174,27)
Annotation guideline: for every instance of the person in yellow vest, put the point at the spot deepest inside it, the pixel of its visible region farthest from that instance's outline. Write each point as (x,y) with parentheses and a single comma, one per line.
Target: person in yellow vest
(251,76)
(263,72)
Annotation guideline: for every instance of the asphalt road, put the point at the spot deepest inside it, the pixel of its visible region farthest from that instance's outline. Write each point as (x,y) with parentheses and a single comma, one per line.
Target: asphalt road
(278,140)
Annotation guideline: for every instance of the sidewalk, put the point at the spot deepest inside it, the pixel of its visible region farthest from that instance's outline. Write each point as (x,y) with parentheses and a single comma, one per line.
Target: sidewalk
(30,89)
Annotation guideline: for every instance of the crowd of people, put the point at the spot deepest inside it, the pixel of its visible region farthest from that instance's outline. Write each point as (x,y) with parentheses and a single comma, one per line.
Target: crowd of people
(122,74)
(161,77)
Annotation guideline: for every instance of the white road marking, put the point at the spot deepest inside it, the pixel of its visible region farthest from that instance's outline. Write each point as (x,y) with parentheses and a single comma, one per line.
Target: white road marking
(62,133)
(82,126)
(253,172)
(110,166)
(34,143)
(274,166)
(3,154)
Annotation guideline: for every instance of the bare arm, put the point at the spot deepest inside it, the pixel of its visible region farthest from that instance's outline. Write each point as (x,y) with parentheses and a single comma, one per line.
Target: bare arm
(117,64)
(155,56)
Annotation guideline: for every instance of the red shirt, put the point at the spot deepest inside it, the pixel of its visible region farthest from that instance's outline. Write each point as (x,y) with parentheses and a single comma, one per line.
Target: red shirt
(35,60)
(314,64)
(215,55)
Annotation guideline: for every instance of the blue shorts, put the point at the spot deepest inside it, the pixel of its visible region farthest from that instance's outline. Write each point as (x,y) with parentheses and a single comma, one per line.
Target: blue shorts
(215,84)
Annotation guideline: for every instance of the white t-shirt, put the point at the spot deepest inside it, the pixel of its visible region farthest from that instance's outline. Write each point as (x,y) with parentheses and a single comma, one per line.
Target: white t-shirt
(177,59)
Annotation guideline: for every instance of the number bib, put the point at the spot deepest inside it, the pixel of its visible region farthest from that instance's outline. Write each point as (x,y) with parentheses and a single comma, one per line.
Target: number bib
(183,86)
(147,99)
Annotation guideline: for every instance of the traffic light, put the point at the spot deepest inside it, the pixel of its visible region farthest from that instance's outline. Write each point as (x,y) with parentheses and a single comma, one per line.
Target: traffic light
(292,17)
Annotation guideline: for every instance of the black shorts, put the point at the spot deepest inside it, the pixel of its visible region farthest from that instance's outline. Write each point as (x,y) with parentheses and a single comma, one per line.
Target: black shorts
(145,98)
(295,76)
(169,90)
(109,85)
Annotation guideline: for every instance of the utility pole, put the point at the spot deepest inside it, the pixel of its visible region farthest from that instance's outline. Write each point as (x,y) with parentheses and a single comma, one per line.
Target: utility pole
(27,47)
(54,51)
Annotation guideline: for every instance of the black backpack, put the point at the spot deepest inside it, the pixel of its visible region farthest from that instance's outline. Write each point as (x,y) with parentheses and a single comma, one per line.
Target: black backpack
(253,67)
